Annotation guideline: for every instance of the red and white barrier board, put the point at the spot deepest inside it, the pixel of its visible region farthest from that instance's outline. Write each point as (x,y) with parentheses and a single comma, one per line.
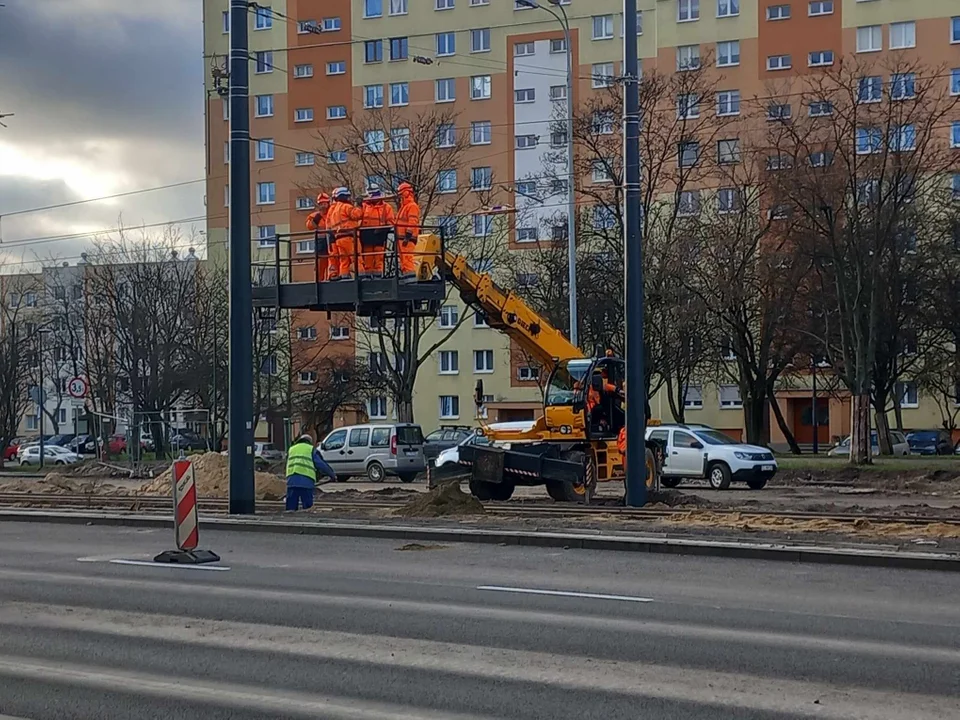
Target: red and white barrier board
(185,502)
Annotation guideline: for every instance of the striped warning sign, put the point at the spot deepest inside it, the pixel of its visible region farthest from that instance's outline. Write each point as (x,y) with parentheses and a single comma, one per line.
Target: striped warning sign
(185,503)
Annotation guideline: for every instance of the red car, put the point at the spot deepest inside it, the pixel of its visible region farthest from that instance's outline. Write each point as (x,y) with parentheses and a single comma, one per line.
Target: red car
(11,452)
(117,444)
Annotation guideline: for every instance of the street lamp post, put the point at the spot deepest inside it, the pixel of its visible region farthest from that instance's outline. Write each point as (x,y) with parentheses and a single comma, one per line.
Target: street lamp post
(571,201)
(40,394)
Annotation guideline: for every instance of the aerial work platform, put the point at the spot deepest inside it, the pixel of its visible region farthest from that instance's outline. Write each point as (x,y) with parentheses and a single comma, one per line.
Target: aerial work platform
(302,276)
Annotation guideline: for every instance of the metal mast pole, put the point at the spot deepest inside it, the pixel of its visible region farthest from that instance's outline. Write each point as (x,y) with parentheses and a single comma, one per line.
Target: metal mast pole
(242,500)
(633,265)
(815,419)
(571,196)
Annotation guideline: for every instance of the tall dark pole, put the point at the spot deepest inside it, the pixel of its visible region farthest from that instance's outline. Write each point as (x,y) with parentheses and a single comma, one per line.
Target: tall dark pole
(816,422)
(633,265)
(240,454)
(40,397)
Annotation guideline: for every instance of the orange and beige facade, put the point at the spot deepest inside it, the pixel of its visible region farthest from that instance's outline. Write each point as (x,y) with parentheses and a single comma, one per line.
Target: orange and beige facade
(501,68)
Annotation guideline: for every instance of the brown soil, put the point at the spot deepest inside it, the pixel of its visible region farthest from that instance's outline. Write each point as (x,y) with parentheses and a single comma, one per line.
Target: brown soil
(921,480)
(57,484)
(213,480)
(384,493)
(446,500)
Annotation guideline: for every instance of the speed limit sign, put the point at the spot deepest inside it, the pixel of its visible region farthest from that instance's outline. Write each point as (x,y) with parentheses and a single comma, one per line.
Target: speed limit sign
(77,387)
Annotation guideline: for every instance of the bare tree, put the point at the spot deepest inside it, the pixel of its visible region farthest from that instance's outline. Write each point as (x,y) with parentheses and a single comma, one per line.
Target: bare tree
(334,383)
(867,154)
(17,354)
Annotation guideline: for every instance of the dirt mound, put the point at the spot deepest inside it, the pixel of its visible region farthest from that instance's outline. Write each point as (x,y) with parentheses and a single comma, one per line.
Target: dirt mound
(213,480)
(57,484)
(446,500)
(384,493)
(675,498)
(896,479)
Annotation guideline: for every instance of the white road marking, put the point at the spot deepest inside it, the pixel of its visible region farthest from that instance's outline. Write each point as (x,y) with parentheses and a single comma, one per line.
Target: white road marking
(565,593)
(148,563)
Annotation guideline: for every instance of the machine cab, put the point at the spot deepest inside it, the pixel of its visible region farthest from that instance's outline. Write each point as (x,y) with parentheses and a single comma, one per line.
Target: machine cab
(587,393)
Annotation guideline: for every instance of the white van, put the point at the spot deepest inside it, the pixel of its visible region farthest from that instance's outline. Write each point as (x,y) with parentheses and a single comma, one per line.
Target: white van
(375,451)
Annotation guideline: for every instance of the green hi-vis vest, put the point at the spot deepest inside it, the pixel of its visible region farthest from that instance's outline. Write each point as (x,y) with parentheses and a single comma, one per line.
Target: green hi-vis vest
(300,461)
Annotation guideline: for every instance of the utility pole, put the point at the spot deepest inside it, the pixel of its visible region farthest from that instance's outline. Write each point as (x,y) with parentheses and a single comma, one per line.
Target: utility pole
(815,419)
(242,496)
(633,265)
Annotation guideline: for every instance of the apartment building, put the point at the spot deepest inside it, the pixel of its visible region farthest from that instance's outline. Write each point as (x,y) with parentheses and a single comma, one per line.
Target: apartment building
(501,66)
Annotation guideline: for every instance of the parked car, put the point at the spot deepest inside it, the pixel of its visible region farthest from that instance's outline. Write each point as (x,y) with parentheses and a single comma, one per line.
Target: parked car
(900,445)
(375,451)
(267,452)
(187,440)
(83,445)
(10,452)
(62,440)
(930,442)
(693,451)
(451,456)
(31,442)
(52,455)
(447,436)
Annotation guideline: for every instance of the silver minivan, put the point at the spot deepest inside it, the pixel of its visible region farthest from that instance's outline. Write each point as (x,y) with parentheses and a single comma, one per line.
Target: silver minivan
(375,451)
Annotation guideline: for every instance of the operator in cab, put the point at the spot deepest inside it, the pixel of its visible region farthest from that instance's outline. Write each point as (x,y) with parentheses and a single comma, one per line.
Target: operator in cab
(304,468)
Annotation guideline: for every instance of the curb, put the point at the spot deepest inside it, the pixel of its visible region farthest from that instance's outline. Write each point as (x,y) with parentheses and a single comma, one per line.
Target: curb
(630,543)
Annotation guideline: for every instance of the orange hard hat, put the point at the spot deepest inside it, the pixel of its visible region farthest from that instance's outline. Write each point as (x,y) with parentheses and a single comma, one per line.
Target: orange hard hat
(323,199)
(404,186)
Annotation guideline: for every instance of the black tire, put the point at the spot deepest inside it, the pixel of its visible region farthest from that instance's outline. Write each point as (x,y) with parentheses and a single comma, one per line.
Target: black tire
(501,491)
(58,462)
(718,475)
(408,477)
(670,482)
(480,490)
(756,483)
(375,472)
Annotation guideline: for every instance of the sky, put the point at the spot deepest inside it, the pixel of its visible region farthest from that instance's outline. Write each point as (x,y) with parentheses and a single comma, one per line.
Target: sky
(108,98)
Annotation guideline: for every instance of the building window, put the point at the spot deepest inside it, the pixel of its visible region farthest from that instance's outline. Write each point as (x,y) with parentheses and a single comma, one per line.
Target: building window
(225,21)
(267,235)
(523,49)
(399,94)
(820,108)
(903,35)
(603,218)
(602,123)
(479,319)
(336,112)
(399,139)
(730,397)
(226,196)
(480,40)
(728,102)
(728,151)
(528,374)
(268,365)
(447,181)
(377,408)
(525,95)
(444,5)
(693,397)
(955,81)
(558,46)
(728,53)
(483,361)
(600,171)
(909,394)
(482,225)
(820,159)
(372,8)
(869,38)
(446,90)
(373,96)
(398,48)
(602,27)
(304,247)
(331,24)
(264,149)
(303,159)
(869,140)
(374,141)
(688,205)
(303,115)
(340,332)
(820,7)
(558,92)
(481,132)
(955,135)
(398,7)
(449,404)
(818,58)
(955,30)
(688,10)
(527,234)
(870,89)
(262,18)
(337,67)
(446,136)
(33,422)
(264,62)
(304,203)
(688,153)
(728,200)
(688,107)
(558,138)
(449,316)
(480,87)
(449,362)
(264,106)
(903,86)
(373,51)
(527,142)
(303,71)
(306,27)
(481,178)
(266,193)
(778,12)
(779,111)
(446,43)
(226,108)
(728,8)
(779,62)
(601,75)
(688,57)
(955,186)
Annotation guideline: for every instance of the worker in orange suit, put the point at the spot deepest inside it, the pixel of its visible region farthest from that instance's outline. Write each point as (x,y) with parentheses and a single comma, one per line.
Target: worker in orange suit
(344,220)
(408,229)
(317,221)
(373,245)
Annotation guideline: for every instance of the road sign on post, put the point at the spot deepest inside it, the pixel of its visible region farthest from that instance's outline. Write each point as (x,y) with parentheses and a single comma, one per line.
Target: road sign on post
(77,387)
(185,521)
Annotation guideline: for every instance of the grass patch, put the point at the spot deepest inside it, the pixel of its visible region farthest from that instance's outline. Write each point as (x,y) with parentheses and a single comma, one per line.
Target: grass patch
(809,462)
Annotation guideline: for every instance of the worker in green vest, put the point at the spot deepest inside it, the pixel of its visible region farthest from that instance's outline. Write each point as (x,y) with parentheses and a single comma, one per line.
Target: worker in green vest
(304,466)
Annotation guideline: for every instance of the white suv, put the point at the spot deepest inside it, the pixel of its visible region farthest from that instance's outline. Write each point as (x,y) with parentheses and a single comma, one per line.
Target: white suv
(698,452)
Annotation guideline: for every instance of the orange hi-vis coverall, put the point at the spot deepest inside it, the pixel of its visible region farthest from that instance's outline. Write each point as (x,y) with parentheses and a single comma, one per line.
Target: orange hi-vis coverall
(376,214)
(408,230)
(344,219)
(327,267)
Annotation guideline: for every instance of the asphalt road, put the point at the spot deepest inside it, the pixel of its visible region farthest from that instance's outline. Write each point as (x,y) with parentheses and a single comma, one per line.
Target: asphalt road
(373,630)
